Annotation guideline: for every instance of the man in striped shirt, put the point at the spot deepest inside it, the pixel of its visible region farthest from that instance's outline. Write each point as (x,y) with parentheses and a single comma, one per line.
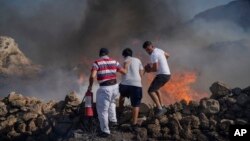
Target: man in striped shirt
(105,69)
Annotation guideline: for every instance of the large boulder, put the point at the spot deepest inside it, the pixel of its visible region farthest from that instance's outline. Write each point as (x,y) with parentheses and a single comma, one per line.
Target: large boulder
(13,134)
(13,61)
(40,121)
(176,107)
(174,126)
(225,125)
(219,89)
(186,133)
(144,109)
(212,124)
(246,90)
(20,127)
(31,101)
(240,122)
(71,97)
(209,106)
(71,100)
(48,107)
(141,134)
(3,109)
(10,121)
(31,127)
(199,136)
(190,121)
(36,108)
(165,131)
(193,107)
(29,115)
(242,99)
(154,130)
(204,121)
(163,120)
(16,100)
(236,91)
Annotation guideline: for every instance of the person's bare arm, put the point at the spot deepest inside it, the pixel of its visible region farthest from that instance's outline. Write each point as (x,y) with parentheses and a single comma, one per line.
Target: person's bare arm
(167,55)
(151,67)
(154,67)
(124,70)
(141,72)
(91,79)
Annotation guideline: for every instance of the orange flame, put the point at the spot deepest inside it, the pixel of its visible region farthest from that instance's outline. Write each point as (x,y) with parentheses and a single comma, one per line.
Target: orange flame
(179,87)
(81,78)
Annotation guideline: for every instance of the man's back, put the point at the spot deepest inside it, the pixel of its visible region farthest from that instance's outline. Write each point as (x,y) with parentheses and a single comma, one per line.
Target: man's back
(106,68)
(133,77)
(158,56)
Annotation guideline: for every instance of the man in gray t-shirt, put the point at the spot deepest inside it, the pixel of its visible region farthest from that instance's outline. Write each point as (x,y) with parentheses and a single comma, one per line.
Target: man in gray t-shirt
(131,86)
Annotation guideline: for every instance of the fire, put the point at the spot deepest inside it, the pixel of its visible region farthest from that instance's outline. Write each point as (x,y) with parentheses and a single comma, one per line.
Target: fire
(179,87)
(81,78)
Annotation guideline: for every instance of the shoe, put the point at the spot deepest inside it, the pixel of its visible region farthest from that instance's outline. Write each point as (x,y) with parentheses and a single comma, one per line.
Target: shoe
(133,127)
(160,112)
(104,135)
(113,124)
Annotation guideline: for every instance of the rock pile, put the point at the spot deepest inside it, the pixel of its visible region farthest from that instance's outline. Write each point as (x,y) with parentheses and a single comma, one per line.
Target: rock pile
(28,118)
(209,119)
(32,119)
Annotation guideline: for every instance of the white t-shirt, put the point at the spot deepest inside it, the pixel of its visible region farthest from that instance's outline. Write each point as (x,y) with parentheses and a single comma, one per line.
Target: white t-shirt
(158,56)
(132,78)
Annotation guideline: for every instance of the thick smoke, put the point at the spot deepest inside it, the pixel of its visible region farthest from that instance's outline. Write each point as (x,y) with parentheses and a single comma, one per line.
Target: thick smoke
(64,33)
(58,32)
(217,51)
(46,31)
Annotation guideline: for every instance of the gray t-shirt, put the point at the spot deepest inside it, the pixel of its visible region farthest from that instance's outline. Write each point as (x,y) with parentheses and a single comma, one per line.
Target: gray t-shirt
(132,78)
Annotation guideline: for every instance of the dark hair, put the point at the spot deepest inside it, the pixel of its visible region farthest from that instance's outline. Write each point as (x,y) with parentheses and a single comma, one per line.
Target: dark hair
(127,52)
(103,52)
(146,44)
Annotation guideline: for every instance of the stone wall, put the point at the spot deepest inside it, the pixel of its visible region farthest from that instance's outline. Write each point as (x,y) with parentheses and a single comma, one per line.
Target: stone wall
(28,118)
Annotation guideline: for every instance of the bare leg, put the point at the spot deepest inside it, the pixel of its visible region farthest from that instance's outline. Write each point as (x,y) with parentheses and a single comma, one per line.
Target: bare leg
(121,103)
(135,115)
(158,93)
(155,98)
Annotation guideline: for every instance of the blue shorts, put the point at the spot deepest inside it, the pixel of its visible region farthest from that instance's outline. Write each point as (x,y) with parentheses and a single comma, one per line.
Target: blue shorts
(132,92)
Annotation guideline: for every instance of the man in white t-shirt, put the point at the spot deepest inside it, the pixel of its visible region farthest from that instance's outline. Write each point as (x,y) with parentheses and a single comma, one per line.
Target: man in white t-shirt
(131,86)
(159,65)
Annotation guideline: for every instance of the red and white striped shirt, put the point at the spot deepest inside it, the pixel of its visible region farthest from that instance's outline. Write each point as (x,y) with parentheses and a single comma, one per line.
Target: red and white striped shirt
(106,68)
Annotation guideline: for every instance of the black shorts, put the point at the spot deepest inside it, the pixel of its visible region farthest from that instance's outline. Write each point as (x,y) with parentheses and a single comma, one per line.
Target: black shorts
(159,81)
(132,92)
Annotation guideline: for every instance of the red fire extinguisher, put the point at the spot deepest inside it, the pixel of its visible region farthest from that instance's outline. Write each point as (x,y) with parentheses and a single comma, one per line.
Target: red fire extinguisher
(88,104)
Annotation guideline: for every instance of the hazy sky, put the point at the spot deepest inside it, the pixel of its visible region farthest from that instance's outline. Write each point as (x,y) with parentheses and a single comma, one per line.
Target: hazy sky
(192,7)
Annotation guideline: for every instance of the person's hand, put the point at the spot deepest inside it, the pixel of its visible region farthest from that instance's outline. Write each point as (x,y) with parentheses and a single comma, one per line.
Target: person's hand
(147,68)
(126,64)
(89,88)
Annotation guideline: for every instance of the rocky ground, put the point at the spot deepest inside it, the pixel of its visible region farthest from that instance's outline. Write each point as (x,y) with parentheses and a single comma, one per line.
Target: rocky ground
(30,119)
